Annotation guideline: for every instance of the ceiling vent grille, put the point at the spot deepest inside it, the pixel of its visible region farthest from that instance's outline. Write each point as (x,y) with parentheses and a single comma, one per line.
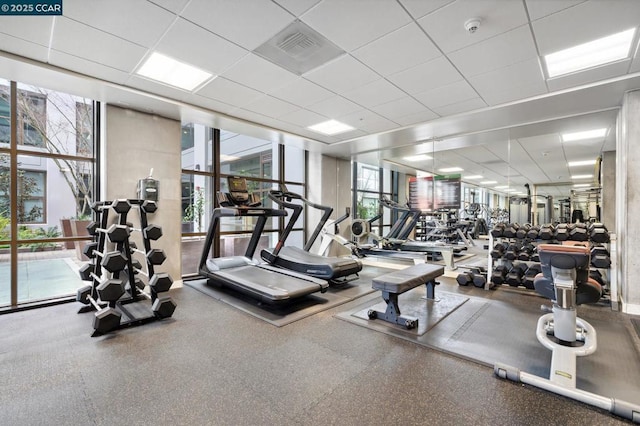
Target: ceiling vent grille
(298,48)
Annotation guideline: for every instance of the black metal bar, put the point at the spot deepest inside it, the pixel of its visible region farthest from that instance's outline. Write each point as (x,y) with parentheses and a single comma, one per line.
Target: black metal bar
(215,138)
(13,193)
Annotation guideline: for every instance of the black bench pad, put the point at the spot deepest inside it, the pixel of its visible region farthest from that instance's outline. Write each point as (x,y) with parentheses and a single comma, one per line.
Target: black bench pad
(404,280)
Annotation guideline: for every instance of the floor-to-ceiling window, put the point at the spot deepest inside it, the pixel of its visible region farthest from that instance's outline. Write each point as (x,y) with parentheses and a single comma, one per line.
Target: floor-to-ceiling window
(266,165)
(370,184)
(47,160)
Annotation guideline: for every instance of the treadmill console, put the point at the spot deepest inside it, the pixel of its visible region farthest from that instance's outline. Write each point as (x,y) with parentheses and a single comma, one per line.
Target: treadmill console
(238,195)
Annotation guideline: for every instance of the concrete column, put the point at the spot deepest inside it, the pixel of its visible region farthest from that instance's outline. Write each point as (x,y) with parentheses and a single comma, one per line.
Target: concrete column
(134,142)
(329,183)
(608,209)
(628,203)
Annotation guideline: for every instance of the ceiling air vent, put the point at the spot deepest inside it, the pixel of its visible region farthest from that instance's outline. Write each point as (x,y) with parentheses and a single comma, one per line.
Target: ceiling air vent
(298,48)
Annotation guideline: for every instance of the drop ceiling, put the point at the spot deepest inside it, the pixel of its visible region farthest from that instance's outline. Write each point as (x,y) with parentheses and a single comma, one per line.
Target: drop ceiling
(411,79)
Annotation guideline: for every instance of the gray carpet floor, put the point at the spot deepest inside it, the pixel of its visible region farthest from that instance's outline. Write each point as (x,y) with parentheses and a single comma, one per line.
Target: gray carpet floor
(212,364)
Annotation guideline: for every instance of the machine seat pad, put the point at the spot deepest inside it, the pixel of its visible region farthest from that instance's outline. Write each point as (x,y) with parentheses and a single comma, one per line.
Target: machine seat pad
(403,280)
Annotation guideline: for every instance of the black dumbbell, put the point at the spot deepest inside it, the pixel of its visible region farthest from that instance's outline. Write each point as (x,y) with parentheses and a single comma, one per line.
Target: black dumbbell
(597,276)
(106,318)
(600,257)
(154,256)
(112,261)
(163,307)
(598,233)
(522,231)
(499,274)
(115,233)
(497,251)
(149,206)
(532,234)
(515,274)
(562,232)
(512,252)
(510,230)
(497,230)
(121,206)
(86,270)
(479,280)
(150,232)
(464,279)
(578,232)
(546,232)
(530,275)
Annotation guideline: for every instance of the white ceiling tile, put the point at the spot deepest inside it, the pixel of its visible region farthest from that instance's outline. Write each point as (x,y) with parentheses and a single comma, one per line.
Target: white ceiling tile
(349,135)
(271,107)
(342,74)
(521,74)
(113,51)
(541,8)
(158,88)
(428,75)
(260,74)
(24,48)
(229,92)
(419,8)
(585,22)
(589,76)
(497,52)
(399,108)
(174,6)
(376,93)
(446,95)
(446,25)
(303,118)
(500,96)
(138,21)
(297,7)
(83,66)
(464,106)
(397,51)
(334,107)
(248,23)
(354,23)
(418,117)
(368,121)
(187,42)
(36,29)
(302,92)
(209,103)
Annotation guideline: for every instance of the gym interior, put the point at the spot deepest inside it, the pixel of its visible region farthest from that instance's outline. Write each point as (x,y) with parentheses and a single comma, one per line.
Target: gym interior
(319,212)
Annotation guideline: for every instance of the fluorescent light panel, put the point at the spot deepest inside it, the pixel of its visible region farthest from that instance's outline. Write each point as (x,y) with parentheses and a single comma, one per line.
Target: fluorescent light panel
(169,71)
(488,182)
(450,169)
(587,134)
(581,176)
(591,54)
(501,187)
(581,163)
(419,157)
(581,185)
(331,127)
(473,177)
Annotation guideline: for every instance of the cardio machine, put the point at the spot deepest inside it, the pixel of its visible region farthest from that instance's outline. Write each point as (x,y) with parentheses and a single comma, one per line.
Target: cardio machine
(565,280)
(337,270)
(242,273)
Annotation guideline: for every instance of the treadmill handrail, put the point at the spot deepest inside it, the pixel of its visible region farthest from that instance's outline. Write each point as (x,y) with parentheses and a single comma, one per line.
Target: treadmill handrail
(278,198)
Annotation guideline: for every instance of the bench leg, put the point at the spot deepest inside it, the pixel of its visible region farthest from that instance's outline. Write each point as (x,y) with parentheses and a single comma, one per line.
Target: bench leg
(431,289)
(393,314)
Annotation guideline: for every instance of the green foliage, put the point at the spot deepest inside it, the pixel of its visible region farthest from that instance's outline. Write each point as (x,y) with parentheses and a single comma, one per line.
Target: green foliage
(195,210)
(25,233)
(27,186)
(4,227)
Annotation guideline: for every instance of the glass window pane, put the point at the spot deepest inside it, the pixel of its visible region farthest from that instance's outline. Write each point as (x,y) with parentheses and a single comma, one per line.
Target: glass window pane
(5,113)
(293,164)
(367,205)
(295,239)
(197,202)
(5,200)
(243,155)
(54,122)
(234,224)
(236,245)
(196,147)
(45,271)
(386,181)
(368,177)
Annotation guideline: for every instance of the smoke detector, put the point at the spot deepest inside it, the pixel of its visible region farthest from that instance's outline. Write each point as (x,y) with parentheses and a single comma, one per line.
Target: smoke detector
(472,25)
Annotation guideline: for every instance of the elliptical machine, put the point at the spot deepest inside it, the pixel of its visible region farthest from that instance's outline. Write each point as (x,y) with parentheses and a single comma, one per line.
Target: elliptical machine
(565,280)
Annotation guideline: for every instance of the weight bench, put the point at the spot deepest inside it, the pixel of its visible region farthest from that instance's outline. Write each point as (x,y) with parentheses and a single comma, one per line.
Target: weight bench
(395,283)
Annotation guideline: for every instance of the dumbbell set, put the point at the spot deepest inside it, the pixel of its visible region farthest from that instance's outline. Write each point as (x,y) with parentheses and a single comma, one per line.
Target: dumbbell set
(594,232)
(476,276)
(113,273)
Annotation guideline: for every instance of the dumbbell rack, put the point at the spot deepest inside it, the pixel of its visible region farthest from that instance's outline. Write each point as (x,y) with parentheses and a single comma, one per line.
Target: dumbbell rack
(607,277)
(118,305)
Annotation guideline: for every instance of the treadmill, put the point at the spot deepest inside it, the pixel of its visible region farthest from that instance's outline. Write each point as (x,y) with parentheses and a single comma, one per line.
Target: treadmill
(336,270)
(260,281)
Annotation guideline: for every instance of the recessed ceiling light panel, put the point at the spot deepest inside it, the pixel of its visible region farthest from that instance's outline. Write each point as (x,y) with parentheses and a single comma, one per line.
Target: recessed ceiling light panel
(592,54)
(330,127)
(170,71)
(581,163)
(581,176)
(450,169)
(488,182)
(419,157)
(587,134)
(473,177)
